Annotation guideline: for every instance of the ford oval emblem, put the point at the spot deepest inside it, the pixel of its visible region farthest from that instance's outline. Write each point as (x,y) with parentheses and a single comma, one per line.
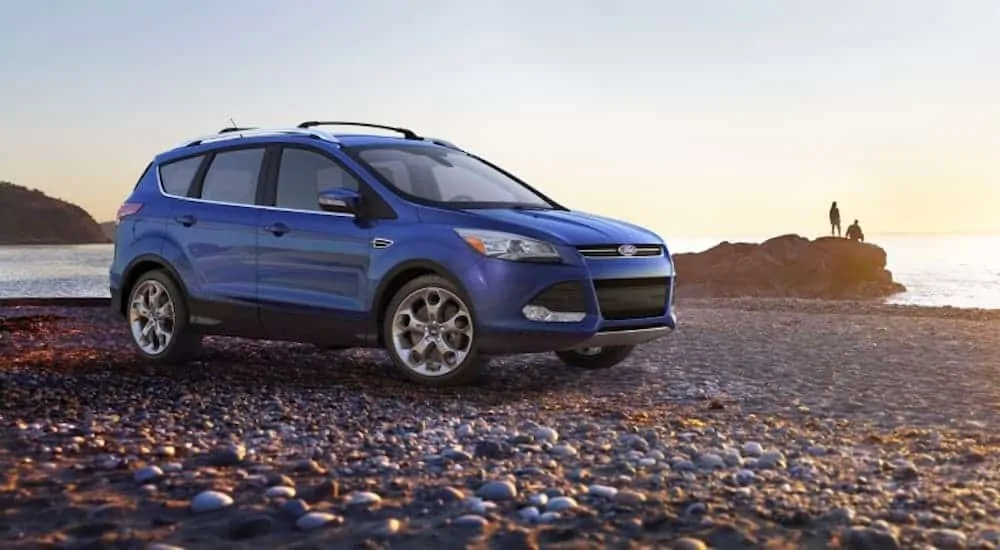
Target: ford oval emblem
(627,250)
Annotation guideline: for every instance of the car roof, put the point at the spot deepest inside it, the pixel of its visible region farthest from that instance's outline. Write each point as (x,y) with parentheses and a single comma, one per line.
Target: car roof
(229,137)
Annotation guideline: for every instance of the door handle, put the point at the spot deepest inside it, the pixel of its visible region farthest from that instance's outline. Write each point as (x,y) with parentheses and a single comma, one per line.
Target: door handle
(278,229)
(186,220)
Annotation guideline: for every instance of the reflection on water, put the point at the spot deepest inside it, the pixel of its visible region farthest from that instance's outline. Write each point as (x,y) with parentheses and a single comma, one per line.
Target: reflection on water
(956,270)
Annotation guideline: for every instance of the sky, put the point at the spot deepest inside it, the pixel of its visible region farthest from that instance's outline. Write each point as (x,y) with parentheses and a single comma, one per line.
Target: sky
(691,118)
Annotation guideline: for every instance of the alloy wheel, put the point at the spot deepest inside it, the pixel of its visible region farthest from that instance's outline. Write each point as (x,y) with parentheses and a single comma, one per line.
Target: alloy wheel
(152,317)
(432,331)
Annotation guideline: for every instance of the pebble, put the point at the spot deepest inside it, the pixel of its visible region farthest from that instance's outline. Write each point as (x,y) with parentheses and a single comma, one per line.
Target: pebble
(559,504)
(280,491)
(390,526)
(148,474)
(546,434)
(771,460)
(564,449)
(529,513)
(752,449)
(602,491)
(498,490)
(711,461)
(686,543)
(314,520)
(628,497)
(471,520)
(209,501)
(539,499)
(866,538)
(295,507)
(363,498)
(948,539)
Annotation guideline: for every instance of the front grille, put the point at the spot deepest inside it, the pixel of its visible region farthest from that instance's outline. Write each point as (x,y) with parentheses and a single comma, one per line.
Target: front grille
(614,250)
(566,297)
(632,298)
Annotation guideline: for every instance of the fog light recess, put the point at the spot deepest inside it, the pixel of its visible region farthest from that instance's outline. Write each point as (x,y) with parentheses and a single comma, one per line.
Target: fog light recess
(544,314)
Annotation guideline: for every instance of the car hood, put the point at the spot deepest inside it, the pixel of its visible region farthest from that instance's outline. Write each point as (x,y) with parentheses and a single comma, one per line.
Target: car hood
(572,227)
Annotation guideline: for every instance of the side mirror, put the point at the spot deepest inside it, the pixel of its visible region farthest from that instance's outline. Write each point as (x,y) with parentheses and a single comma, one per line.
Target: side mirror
(339,199)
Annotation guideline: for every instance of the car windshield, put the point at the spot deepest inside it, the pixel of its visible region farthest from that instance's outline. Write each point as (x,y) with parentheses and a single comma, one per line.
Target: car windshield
(448,177)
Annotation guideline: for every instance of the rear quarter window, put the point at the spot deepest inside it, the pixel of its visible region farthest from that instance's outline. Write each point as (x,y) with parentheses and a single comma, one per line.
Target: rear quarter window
(178,175)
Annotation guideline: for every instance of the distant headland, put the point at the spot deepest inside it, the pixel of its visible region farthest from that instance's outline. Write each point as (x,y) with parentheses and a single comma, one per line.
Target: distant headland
(30,217)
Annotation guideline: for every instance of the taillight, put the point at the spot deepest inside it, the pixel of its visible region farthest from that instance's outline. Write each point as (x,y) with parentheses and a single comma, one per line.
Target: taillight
(127,209)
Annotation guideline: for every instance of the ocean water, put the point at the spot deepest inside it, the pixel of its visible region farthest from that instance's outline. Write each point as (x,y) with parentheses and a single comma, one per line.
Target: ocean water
(938,270)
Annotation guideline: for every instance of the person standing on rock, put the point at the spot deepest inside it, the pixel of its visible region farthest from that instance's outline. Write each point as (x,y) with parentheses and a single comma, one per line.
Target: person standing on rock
(834,220)
(855,233)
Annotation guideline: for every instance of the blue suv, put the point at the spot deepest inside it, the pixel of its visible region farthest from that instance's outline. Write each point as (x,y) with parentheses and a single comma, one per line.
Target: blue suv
(402,242)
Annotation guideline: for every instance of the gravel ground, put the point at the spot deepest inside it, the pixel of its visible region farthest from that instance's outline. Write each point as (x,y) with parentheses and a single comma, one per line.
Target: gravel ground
(758,423)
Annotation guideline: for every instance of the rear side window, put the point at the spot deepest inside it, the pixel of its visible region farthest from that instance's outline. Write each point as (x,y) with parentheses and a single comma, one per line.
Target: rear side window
(177,176)
(303,175)
(232,176)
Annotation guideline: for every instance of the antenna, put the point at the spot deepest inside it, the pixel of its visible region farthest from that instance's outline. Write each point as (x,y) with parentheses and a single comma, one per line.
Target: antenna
(235,128)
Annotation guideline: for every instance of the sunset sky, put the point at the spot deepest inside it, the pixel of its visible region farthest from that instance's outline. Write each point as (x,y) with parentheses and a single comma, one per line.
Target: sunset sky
(692,118)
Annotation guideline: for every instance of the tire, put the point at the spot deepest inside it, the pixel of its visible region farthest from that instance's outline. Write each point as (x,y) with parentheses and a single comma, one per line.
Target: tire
(599,358)
(182,343)
(450,357)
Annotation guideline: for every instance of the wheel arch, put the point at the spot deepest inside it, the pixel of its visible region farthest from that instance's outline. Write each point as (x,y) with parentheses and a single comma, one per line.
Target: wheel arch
(399,276)
(140,265)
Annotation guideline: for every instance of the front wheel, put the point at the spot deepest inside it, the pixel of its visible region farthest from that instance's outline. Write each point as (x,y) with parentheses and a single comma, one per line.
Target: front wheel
(595,358)
(430,333)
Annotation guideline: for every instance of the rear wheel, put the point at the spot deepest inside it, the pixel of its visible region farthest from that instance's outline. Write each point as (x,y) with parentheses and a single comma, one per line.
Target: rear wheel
(158,320)
(430,333)
(595,358)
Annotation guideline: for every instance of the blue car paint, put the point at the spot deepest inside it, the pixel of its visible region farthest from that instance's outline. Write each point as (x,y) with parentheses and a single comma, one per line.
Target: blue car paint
(322,281)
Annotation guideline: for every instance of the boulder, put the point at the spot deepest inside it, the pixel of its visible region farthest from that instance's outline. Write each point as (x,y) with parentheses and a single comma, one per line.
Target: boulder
(787,266)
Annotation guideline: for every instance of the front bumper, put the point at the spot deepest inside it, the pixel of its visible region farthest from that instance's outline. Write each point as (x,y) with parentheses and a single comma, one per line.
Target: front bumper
(500,289)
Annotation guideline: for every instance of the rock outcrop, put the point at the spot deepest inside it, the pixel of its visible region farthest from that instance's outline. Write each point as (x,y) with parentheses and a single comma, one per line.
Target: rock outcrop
(787,266)
(28,216)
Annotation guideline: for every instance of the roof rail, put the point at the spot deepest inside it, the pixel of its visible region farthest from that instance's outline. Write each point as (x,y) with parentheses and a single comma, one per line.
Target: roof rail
(234,129)
(233,134)
(407,133)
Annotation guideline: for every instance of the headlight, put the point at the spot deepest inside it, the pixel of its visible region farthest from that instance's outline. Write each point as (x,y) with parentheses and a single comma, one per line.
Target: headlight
(508,246)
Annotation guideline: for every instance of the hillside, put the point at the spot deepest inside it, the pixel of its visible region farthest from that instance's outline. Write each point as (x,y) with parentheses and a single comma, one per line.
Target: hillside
(28,216)
(109,230)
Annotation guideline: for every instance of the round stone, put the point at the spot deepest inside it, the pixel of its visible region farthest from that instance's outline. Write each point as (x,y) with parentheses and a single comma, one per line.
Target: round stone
(148,474)
(753,449)
(498,490)
(559,504)
(315,520)
(209,501)
(628,497)
(546,434)
(280,491)
(364,497)
(471,520)
(602,491)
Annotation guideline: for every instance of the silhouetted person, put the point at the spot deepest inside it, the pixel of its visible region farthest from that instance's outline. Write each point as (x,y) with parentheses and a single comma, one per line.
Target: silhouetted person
(855,233)
(834,220)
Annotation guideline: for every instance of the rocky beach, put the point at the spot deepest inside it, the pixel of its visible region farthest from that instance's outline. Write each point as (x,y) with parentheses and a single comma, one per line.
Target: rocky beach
(758,424)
